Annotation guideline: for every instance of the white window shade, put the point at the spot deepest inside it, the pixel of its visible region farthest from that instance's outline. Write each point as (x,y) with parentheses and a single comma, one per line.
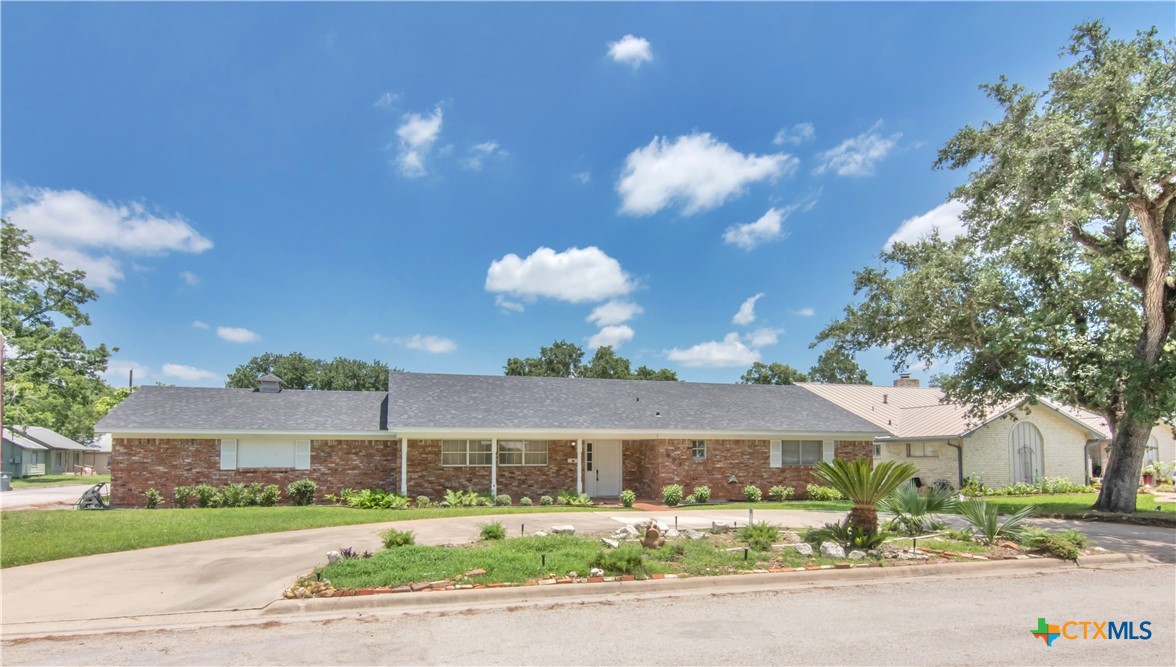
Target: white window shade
(827,447)
(228,455)
(775,457)
(302,454)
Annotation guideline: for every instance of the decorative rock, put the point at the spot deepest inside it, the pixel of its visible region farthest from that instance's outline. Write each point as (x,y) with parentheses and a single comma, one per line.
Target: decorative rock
(694,534)
(474,573)
(574,575)
(804,548)
(661,526)
(856,555)
(671,533)
(332,557)
(719,527)
(539,533)
(596,572)
(629,530)
(789,537)
(653,539)
(832,550)
(563,530)
(612,544)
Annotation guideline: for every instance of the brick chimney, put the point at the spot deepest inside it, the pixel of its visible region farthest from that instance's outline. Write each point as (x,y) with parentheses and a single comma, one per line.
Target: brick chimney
(905,380)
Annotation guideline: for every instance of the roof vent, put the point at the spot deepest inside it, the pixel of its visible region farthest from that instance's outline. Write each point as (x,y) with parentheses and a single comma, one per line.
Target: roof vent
(906,381)
(885,399)
(269,384)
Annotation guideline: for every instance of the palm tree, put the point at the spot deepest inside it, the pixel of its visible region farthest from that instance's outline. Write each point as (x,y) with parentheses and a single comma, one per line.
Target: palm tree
(864,485)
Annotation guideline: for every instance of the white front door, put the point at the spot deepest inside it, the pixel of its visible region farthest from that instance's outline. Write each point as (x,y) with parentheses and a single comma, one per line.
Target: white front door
(602,468)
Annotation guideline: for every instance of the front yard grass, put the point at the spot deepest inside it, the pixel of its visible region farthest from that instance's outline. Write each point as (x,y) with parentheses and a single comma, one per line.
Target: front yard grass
(828,505)
(1073,504)
(34,536)
(46,481)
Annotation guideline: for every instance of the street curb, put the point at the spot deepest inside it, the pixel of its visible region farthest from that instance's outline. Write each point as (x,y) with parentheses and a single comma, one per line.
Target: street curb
(726,584)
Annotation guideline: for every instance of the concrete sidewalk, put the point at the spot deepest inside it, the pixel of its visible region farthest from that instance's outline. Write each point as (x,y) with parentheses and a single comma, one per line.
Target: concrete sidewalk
(250,572)
(50,496)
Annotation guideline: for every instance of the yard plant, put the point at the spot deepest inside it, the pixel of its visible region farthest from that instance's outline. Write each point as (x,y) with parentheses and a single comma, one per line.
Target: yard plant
(864,485)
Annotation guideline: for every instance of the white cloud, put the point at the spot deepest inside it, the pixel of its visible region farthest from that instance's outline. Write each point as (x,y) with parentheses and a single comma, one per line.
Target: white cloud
(769,227)
(85,233)
(729,352)
(479,153)
(507,304)
(118,372)
(190,278)
(237,335)
(631,51)
(807,311)
(695,171)
(417,134)
(614,312)
(857,156)
(386,100)
(575,275)
(746,314)
(945,218)
(197,324)
(763,337)
(381,338)
(611,335)
(796,135)
(188,373)
(428,343)
(584,176)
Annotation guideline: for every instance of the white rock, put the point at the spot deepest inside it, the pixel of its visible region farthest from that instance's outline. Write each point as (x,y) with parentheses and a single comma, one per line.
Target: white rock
(332,557)
(856,555)
(661,526)
(832,550)
(540,533)
(596,572)
(804,548)
(671,533)
(694,534)
(613,544)
(721,527)
(563,530)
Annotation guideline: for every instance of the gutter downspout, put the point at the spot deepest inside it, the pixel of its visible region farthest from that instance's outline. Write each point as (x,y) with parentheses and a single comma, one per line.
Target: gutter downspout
(959,462)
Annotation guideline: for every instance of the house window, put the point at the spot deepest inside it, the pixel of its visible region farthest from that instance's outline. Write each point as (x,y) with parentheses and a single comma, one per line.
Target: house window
(698,449)
(921,450)
(800,452)
(522,453)
(265,453)
(466,452)
(877,450)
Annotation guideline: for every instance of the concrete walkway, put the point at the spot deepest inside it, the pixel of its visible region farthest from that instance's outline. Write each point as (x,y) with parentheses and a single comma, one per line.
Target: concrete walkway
(250,572)
(42,497)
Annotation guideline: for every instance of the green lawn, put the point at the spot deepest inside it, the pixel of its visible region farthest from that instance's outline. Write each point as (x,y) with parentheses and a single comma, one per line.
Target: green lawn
(33,536)
(829,505)
(1062,503)
(44,481)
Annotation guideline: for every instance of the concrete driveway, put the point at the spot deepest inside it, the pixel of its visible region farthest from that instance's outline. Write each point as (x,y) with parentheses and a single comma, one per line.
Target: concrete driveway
(31,497)
(250,572)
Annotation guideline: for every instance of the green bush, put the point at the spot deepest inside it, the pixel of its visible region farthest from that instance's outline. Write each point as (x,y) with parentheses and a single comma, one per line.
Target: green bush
(628,559)
(759,536)
(153,498)
(183,496)
(1067,545)
(494,531)
(207,496)
(369,499)
(984,519)
(780,493)
(545,500)
(398,538)
(672,494)
(973,486)
(503,500)
(235,495)
(269,496)
(483,501)
(848,536)
(752,493)
(301,492)
(701,494)
(818,492)
(916,513)
(525,502)
(423,501)
(582,500)
(628,497)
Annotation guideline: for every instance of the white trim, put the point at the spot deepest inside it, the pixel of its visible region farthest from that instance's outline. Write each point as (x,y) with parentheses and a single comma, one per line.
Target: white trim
(216,433)
(776,454)
(404,466)
(646,434)
(228,454)
(302,455)
(494,468)
(579,465)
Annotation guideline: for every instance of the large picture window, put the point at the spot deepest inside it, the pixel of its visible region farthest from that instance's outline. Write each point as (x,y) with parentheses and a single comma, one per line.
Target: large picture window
(466,452)
(522,453)
(800,452)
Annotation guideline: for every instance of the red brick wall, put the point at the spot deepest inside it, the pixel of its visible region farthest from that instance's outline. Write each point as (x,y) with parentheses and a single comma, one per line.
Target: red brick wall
(639,468)
(138,464)
(426,475)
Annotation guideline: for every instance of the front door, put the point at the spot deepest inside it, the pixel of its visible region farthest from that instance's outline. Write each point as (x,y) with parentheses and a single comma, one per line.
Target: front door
(602,468)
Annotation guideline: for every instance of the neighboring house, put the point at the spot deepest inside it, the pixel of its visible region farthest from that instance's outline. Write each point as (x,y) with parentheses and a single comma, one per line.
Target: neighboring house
(65,455)
(1013,443)
(97,454)
(23,456)
(521,436)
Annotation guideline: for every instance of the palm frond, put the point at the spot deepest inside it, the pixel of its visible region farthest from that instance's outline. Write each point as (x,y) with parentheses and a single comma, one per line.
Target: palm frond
(862,483)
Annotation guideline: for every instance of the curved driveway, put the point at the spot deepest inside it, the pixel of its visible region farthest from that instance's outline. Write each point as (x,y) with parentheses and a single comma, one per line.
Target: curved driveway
(250,572)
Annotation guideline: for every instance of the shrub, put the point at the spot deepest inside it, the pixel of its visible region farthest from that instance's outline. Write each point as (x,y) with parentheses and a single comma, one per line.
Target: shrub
(398,538)
(545,500)
(628,559)
(752,493)
(235,495)
(780,493)
(301,492)
(368,499)
(985,520)
(701,494)
(582,500)
(672,494)
(269,496)
(494,531)
(503,500)
(423,501)
(483,501)
(183,496)
(847,535)
(690,499)
(973,486)
(914,512)
(759,536)
(628,497)
(207,495)
(525,502)
(153,498)
(1067,545)
(818,492)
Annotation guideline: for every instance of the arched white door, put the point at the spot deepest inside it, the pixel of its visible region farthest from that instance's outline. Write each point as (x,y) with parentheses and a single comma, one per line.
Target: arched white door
(1025,449)
(1152,453)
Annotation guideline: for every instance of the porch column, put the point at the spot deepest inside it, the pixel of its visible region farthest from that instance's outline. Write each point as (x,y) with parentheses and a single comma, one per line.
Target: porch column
(579,466)
(404,466)
(494,467)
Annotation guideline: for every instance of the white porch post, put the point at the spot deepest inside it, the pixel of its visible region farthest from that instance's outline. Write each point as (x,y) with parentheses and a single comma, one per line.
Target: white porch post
(404,466)
(579,466)
(494,467)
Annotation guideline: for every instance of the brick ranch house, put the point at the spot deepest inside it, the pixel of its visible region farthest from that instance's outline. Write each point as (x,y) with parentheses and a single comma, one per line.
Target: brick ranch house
(521,436)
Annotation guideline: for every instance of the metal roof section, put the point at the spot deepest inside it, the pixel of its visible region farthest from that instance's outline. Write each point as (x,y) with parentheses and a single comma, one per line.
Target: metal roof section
(483,402)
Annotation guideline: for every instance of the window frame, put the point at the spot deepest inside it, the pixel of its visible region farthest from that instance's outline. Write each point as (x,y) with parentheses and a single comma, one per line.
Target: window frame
(468,452)
(785,460)
(695,447)
(927,454)
(525,449)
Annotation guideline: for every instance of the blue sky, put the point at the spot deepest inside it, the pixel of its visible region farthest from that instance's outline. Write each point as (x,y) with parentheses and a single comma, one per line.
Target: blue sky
(443,186)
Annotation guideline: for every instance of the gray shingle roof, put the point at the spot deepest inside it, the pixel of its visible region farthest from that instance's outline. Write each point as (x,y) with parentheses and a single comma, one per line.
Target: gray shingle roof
(214,409)
(22,441)
(53,439)
(426,400)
